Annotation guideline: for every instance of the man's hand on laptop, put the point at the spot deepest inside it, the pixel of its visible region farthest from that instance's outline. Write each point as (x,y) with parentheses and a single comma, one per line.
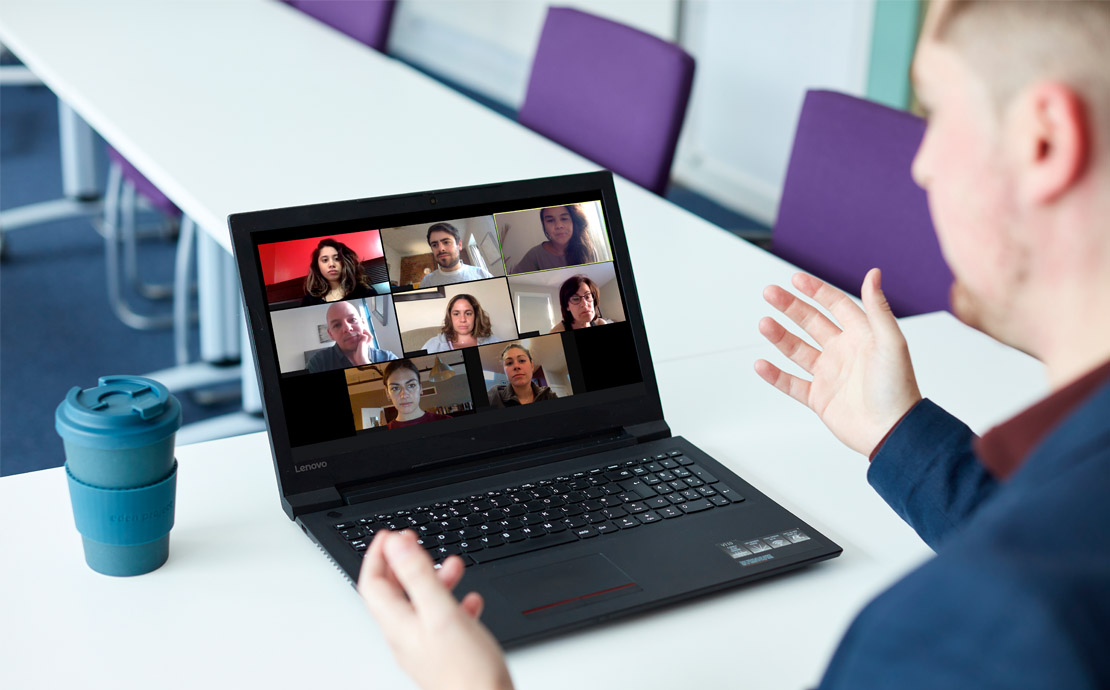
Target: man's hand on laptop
(438,641)
(863,381)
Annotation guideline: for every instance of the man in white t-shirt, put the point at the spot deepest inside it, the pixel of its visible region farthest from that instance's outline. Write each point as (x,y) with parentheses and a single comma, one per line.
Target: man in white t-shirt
(443,238)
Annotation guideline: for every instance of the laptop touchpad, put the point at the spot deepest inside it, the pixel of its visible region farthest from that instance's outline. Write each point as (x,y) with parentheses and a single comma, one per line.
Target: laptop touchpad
(565,585)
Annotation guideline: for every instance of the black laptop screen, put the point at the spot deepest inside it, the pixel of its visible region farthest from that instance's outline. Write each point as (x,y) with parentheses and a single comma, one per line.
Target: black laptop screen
(450,323)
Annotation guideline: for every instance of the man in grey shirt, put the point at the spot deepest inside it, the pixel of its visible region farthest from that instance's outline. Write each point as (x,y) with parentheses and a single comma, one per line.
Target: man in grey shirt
(354,344)
(444,240)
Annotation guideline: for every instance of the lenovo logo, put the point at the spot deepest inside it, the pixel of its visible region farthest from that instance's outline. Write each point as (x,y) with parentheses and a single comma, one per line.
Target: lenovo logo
(310,466)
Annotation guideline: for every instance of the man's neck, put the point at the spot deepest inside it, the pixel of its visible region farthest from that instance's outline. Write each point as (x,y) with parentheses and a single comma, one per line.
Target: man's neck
(457,265)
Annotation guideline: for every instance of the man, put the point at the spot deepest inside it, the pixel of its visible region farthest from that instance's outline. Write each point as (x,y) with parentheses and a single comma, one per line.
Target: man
(1016,164)
(444,240)
(517,362)
(354,344)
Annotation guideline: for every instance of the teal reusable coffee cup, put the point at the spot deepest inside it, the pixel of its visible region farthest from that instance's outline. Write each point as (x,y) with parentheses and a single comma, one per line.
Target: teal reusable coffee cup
(122,475)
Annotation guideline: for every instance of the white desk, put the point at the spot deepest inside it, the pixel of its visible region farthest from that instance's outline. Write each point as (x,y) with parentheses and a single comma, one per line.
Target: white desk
(247,600)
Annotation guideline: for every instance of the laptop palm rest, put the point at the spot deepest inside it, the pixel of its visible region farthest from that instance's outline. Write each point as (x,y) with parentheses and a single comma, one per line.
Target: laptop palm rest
(565,585)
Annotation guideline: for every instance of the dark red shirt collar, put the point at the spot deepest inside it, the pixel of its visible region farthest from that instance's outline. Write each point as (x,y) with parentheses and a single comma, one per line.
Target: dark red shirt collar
(1003,449)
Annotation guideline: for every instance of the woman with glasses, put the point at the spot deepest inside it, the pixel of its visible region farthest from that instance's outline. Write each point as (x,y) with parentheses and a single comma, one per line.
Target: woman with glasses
(402,385)
(579,302)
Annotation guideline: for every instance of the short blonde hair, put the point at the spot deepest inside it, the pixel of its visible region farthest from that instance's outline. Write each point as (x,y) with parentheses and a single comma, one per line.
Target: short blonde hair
(1013,43)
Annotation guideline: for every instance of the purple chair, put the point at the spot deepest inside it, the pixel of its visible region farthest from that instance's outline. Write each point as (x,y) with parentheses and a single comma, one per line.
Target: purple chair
(849,203)
(366,21)
(609,92)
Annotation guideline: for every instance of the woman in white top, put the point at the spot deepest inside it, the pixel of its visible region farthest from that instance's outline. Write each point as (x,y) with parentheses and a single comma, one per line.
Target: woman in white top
(580,304)
(466,324)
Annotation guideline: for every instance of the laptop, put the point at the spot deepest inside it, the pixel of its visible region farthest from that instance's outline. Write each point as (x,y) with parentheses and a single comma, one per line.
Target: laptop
(472,364)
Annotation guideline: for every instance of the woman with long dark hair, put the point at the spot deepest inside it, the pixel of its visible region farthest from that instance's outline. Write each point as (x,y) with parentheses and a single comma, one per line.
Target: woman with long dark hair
(568,241)
(334,273)
(466,324)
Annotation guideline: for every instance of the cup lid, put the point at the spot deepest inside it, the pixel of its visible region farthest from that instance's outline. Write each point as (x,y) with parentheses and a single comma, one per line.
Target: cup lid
(120,412)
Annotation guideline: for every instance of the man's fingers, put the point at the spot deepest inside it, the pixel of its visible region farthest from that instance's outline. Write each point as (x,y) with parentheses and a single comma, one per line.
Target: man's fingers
(879,313)
(451,571)
(379,590)
(835,301)
(791,385)
(802,313)
(413,568)
(472,604)
(800,352)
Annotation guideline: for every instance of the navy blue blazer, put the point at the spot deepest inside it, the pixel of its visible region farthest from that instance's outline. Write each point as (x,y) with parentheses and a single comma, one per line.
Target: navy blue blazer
(1018,595)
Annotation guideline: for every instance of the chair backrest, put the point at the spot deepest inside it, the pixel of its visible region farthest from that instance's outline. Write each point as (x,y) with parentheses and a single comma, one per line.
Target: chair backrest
(849,203)
(363,20)
(611,93)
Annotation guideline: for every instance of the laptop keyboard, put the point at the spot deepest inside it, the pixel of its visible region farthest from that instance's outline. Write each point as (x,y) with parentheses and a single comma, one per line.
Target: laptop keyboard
(583,505)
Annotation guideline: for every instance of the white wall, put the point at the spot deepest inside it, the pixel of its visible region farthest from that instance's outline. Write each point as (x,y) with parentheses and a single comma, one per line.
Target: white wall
(755,61)
(295,333)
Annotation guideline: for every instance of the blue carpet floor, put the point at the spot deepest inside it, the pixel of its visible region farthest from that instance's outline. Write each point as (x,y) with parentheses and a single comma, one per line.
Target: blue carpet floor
(56,328)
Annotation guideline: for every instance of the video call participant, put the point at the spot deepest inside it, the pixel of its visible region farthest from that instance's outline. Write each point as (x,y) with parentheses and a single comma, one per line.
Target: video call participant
(568,241)
(354,344)
(334,273)
(579,302)
(466,324)
(402,385)
(445,242)
(521,389)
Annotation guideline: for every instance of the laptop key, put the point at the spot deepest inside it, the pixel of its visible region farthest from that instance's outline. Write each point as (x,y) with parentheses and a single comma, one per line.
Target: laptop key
(606,528)
(487,555)
(696,506)
(729,493)
(703,474)
(718,500)
(576,522)
(513,535)
(553,527)
(626,522)
(585,532)
(670,512)
(492,540)
(595,517)
(648,517)
(635,507)
(345,526)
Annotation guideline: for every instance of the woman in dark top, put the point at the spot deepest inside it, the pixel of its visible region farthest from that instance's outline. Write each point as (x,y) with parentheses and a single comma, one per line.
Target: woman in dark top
(335,273)
(402,385)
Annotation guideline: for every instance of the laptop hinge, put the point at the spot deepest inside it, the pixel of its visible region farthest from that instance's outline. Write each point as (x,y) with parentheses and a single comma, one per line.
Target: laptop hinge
(368,491)
(311,501)
(651,431)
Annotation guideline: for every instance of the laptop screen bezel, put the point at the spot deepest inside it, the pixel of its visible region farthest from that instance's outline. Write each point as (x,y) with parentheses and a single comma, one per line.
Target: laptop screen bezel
(345,461)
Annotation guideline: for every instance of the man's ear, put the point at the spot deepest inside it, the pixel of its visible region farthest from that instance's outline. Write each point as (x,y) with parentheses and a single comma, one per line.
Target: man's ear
(1054,131)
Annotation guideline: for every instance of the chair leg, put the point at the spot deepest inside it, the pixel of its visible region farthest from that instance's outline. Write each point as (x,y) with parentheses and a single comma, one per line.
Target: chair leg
(112,250)
(186,239)
(153,291)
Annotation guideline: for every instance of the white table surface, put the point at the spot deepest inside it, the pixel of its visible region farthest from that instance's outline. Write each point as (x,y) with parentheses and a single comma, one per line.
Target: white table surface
(247,599)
